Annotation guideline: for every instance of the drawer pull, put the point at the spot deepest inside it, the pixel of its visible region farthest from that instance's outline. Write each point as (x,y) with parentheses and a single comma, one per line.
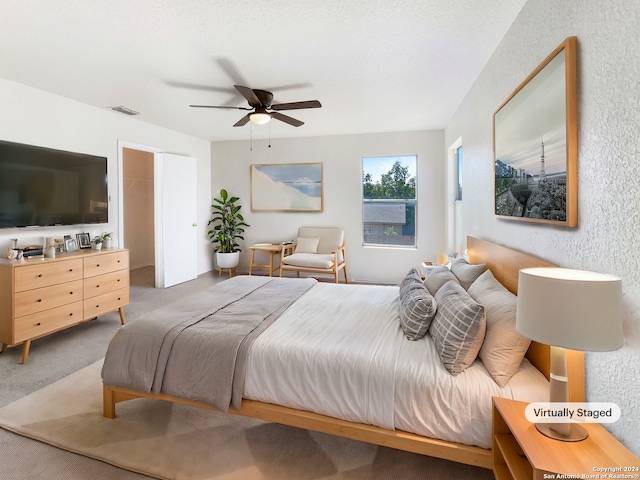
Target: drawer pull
(97,265)
(118,298)
(39,300)
(38,324)
(97,286)
(40,276)
(71,314)
(118,261)
(97,306)
(71,269)
(118,279)
(70,293)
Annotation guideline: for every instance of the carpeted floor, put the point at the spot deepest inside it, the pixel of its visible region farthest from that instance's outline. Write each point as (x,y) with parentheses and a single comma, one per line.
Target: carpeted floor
(164,440)
(174,441)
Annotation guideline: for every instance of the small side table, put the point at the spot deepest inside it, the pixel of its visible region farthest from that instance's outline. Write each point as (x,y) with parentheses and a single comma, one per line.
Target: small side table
(272,249)
(520,451)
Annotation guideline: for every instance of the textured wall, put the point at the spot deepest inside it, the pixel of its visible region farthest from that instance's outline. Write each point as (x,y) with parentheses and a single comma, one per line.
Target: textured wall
(607,238)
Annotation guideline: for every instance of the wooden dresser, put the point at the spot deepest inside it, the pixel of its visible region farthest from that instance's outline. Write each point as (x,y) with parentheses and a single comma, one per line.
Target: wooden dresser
(42,296)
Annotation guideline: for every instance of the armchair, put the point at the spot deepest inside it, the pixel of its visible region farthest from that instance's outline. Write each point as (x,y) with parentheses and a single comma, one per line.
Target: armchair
(317,250)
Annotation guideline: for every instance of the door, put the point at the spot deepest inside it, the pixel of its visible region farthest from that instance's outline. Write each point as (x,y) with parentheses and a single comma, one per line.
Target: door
(176,202)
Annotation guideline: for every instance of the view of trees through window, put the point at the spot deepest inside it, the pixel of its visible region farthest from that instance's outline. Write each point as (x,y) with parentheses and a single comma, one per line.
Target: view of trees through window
(389,200)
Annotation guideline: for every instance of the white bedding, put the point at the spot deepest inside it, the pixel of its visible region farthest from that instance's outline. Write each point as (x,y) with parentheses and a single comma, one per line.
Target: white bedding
(339,351)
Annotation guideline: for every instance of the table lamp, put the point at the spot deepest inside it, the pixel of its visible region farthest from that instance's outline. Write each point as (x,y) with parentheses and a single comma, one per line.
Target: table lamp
(572,309)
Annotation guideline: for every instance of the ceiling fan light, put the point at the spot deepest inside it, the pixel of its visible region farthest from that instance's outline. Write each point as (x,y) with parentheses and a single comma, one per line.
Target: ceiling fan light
(260,118)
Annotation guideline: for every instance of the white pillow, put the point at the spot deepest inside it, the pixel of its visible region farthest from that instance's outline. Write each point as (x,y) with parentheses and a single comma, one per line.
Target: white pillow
(503,348)
(307,245)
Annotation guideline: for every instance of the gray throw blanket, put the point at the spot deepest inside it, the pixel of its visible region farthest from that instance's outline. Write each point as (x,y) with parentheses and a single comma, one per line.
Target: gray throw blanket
(197,347)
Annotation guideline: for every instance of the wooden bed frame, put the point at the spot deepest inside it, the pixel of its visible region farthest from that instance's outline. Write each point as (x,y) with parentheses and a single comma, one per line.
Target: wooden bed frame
(505,264)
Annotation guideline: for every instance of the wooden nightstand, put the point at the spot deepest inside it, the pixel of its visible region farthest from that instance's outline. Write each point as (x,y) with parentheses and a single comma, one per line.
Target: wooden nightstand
(521,452)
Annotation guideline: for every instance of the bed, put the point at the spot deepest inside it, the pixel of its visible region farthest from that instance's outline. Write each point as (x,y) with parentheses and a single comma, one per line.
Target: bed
(392,406)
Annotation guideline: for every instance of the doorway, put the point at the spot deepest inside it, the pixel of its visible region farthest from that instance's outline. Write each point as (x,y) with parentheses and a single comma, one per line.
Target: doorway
(138,214)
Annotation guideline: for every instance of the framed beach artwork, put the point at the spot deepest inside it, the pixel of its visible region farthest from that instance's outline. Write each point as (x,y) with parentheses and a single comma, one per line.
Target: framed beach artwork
(290,187)
(535,144)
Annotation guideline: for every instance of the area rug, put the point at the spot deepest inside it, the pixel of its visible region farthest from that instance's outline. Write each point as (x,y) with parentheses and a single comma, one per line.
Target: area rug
(171,441)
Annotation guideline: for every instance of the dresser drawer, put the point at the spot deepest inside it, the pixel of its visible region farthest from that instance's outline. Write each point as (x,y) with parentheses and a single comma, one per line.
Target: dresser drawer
(105,283)
(43,274)
(41,323)
(32,301)
(105,303)
(105,263)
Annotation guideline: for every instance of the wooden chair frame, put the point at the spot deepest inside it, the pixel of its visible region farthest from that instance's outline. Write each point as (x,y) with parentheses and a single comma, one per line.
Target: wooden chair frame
(337,265)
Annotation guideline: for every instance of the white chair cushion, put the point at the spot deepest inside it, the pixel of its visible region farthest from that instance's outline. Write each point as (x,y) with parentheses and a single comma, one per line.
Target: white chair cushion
(331,238)
(307,245)
(309,260)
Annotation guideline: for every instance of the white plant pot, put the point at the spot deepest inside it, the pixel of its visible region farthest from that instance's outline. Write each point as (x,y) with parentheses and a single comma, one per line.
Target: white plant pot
(107,243)
(227,260)
(96,246)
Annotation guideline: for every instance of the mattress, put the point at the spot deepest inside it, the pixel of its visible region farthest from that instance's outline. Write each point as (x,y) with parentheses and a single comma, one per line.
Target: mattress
(339,351)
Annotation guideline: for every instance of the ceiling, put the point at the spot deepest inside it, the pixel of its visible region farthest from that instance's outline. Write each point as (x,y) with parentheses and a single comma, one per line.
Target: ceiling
(375,65)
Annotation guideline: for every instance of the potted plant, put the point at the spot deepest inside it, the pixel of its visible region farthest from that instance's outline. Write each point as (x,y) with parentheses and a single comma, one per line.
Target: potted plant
(106,239)
(227,228)
(96,243)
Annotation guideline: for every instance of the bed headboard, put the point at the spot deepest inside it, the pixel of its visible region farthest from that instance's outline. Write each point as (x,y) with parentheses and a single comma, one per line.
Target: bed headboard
(505,264)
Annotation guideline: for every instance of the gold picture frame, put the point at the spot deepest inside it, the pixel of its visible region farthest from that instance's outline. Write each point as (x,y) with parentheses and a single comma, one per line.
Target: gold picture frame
(287,187)
(535,144)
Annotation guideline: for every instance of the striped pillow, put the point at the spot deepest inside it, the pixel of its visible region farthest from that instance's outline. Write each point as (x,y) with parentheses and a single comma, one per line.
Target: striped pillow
(417,306)
(458,328)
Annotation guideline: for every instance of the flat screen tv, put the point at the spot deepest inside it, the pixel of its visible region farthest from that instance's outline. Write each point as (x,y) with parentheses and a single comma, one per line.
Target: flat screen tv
(43,187)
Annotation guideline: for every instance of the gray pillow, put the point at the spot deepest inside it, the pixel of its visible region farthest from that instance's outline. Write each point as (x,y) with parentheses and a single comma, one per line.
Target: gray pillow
(417,306)
(503,348)
(465,272)
(458,327)
(438,277)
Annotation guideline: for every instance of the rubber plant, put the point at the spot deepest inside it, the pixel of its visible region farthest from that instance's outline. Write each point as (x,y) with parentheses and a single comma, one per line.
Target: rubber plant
(227,223)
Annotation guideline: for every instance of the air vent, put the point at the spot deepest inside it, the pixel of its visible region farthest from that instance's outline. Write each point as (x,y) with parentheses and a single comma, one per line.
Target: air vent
(125,110)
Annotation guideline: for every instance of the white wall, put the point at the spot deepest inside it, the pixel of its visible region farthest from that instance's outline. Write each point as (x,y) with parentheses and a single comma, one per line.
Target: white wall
(36,117)
(606,239)
(342,170)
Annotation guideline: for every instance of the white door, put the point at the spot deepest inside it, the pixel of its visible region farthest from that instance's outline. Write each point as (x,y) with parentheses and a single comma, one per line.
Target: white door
(176,207)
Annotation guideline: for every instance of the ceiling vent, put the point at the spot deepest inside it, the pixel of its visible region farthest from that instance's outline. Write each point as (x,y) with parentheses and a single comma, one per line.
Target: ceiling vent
(125,110)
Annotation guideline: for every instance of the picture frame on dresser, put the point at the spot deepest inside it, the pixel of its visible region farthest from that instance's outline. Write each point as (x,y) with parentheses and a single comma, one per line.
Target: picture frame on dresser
(70,245)
(83,240)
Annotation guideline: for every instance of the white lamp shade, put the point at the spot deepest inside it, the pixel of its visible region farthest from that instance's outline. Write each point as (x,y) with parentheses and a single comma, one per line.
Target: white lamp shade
(568,308)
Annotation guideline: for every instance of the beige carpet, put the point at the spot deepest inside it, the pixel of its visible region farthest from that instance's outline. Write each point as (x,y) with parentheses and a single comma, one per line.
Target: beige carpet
(164,440)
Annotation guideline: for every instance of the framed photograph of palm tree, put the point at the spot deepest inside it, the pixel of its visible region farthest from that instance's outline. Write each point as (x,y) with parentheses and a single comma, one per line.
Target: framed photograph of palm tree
(535,144)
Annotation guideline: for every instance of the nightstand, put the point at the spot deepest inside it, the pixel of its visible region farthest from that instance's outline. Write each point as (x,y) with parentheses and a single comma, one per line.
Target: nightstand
(521,452)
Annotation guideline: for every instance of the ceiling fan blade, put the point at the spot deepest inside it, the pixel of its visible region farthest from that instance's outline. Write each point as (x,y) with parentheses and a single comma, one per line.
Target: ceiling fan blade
(286,119)
(249,94)
(296,105)
(243,121)
(220,106)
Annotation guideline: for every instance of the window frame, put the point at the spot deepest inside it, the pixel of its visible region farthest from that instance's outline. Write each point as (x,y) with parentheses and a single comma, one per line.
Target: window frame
(405,201)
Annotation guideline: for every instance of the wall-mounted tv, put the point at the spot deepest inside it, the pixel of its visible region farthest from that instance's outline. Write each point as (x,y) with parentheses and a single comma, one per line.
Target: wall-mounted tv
(43,187)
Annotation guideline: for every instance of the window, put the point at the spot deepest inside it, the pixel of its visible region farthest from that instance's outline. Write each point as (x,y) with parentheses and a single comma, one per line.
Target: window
(458,156)
(389,200)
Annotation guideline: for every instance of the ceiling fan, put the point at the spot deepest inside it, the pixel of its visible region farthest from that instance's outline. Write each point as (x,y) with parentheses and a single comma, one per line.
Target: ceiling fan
(262,110)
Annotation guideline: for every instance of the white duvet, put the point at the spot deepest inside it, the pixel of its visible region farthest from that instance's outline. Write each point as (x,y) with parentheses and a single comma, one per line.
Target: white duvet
(339,351)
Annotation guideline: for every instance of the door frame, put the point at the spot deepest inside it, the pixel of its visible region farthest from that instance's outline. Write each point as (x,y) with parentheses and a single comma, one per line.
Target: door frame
(157,204)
